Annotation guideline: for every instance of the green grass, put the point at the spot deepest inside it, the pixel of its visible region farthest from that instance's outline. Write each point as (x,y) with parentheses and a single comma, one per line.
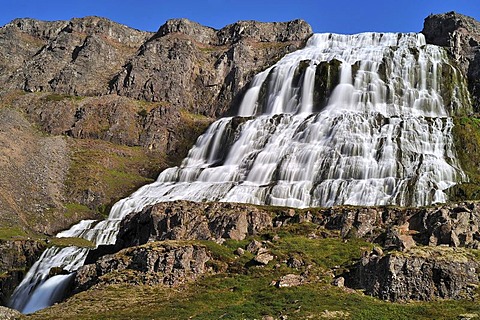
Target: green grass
(12,233)
(68,242)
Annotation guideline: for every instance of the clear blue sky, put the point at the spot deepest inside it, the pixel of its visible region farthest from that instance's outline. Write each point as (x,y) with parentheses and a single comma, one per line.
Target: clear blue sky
(339,16)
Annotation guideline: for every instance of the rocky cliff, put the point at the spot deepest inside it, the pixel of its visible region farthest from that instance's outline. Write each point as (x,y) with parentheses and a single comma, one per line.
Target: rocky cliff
(184,64)
(16,257)
(460,34)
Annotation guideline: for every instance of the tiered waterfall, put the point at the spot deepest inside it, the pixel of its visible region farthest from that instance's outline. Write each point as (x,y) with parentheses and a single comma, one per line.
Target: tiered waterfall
(350,119)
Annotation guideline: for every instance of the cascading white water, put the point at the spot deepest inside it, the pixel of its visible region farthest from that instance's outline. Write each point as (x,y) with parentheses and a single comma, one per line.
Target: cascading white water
(349,119)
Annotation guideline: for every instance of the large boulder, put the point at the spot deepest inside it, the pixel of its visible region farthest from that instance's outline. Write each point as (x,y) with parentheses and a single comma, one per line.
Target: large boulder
(419,274)
(166,263)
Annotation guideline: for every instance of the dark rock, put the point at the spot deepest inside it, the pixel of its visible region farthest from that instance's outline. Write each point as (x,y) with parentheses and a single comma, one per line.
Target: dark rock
(294,262)
(167,263)
(254,246)
(189,220)
(419,274)
(16,256)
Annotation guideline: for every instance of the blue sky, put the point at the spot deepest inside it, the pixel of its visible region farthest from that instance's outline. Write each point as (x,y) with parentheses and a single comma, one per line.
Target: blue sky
(340,16)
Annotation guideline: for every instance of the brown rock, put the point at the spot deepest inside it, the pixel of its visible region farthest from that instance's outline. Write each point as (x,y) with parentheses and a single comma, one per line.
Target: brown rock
(184,220)
(263,257)
(168,263)
(289,280)
(254,246)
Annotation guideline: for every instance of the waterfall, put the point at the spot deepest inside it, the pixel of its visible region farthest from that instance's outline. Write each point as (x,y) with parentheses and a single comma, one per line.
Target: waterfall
(349,119)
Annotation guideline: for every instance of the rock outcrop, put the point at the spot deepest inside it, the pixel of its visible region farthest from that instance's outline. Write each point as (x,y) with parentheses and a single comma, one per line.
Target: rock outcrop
(75,57)
(184,220)
(167,263)
(16,257)
(460,34)
(419,274)
(454,225)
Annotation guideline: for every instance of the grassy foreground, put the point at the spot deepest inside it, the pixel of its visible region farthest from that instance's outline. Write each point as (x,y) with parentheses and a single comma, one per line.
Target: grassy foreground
(244,291)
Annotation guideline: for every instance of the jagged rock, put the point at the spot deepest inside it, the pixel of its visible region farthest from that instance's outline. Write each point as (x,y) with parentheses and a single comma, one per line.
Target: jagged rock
(168,263)
(9,314)
(395,240)
(294,262)
(204,69)
(418,274)
(289,280)
(189,220)
(78,57)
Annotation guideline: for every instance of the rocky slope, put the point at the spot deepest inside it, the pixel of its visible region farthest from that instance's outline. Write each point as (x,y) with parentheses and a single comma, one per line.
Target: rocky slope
(88,74)
(184,64)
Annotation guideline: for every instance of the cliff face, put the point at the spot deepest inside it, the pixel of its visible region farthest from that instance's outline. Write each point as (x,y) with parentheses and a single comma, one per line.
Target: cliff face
(460,34)
(202,69)
(184,64)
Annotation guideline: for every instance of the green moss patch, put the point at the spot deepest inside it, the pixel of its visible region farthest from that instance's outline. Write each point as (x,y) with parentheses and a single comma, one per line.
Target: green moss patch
(466,134)
(68,242)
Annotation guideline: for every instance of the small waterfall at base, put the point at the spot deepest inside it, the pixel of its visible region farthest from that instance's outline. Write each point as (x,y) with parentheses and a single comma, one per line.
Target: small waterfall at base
(350,119)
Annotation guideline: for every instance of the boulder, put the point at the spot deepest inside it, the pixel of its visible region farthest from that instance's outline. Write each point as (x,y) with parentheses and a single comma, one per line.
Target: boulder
(419,274)
(289,280)
(167,263)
